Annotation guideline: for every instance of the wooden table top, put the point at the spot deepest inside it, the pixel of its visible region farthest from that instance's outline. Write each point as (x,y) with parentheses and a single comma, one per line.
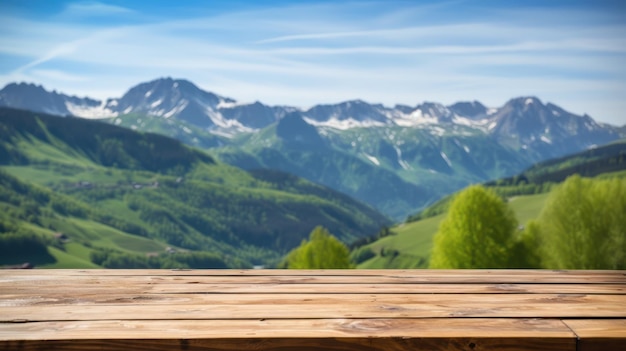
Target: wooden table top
(262,310)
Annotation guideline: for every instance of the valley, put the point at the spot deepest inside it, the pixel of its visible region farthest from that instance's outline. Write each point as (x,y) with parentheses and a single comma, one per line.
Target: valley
(396,159)
(116,192)
(170,175)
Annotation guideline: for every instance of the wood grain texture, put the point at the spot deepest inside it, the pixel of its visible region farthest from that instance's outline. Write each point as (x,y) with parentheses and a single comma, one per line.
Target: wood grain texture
(272,285)
(312,310)
(324,272)
(599,334)
(300,344)
(343,276)
(303,306)
(436,334)
(285,328)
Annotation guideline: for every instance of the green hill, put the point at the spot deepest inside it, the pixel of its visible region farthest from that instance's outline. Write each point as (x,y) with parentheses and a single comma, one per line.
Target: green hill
(606,159)
(590,163)
(409,244)
(122,199)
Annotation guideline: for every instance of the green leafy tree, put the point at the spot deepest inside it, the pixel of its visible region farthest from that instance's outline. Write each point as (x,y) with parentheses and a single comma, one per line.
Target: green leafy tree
(322,251)
(525,250)
(478,232)
(583,225)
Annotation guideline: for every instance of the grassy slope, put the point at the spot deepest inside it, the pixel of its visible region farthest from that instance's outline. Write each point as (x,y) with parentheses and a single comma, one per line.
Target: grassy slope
(233,202)
(84,234)
(413,241)
(331,209)
(76,255)
(69,258)
(410,246)
(527,207)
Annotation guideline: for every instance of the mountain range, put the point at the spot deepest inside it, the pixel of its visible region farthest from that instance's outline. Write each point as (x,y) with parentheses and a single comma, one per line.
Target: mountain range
(397,159)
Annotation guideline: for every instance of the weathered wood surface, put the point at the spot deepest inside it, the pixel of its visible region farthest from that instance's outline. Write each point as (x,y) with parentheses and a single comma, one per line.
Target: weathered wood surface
(312,310)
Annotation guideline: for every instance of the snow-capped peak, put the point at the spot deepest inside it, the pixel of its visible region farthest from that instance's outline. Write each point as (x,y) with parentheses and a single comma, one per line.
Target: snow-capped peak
(526,118)
(91,112)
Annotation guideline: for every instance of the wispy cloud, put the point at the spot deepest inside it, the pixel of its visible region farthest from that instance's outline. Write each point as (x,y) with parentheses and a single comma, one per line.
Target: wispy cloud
(335,35)
(57,75)
(93,8)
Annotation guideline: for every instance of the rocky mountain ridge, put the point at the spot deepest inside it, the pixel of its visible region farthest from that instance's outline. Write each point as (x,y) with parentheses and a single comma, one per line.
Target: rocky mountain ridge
(525,118)
(397,159)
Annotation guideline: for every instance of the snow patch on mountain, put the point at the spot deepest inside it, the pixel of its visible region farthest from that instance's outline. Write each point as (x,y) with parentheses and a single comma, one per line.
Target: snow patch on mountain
(458,143)
(445,158)
(228,104)
(415,120)
(226,127)
(223,133)
(402,162)
(436,130)
(463,121)
(345,124)
(372,159)
(176,110)
(90,112)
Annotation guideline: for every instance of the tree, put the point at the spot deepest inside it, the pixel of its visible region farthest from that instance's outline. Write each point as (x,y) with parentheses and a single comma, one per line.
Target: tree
(525,251)
(322,250)
(583,225)
(477,232)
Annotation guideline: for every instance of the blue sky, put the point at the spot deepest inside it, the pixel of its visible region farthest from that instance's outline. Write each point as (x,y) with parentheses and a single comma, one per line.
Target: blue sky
(571,53)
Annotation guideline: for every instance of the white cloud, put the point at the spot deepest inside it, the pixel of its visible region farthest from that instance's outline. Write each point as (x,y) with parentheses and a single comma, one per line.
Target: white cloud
(93,8)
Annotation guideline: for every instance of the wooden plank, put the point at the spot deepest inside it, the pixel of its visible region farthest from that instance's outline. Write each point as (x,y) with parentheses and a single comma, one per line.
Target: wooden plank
(451,276)
(312,310)
(320,272)
(35,291)
(165,329)
(334,306)
(613,303)
(301,344)
(43,299)
(599,334)
(144,285)
(54,279)
(327,334)
(53,276)
(368,288)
